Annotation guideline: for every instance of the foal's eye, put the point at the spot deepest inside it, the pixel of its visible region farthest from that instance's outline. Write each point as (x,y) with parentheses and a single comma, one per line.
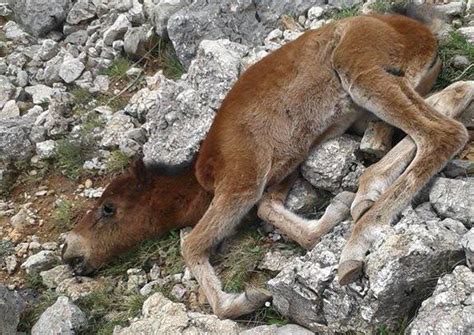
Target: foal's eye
(108,209)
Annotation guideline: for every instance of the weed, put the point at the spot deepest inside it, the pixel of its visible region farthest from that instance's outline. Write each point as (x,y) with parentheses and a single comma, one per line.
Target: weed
(33,311)
(70,157)
(63,215)
(164,57)
(241,261)
(117,162)
(454,45)
(344,13)
(118,68)
(116,103)
(6,248)
(82,99)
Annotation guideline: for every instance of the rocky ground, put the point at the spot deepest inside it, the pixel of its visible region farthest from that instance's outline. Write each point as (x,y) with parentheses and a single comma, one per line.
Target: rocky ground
(87,84)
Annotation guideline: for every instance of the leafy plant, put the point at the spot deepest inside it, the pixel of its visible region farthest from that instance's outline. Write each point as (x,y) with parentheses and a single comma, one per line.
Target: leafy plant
(117,162)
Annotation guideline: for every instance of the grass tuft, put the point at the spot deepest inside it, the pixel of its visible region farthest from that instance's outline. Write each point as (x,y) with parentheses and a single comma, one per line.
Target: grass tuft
(454,45)
(117,162)
(344,13)
(118,68)
(70,157)
(164,57)
(63,215)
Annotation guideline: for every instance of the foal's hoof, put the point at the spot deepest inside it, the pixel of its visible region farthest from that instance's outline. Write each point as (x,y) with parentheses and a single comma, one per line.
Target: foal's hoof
(360,208)
(349,271)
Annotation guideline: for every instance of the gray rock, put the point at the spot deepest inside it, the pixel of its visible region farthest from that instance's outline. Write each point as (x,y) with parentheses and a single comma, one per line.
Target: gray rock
(459,168)
(115,129)
(138,40)
(333,166)
(289,329)
(63,317)
(401,263)
(162,316)
(40,93)
(159,12)
(303,198)
(246,22)
(178,292)
(460,62)
(450,310)
(82,10)
(10,109)
(136,279)
(468,33)
(11,306)
(71,69)
(46,149)
(117,30)
(41,261)
(454,199)
(11,263)
(101,84)
(53,277)
(467,243)
(277,260)
(14,141)
(14,32)
(177,125)
(215,69)
(7,90)
(452,9)
(78,37)
(48,50)
(79,287)
(39,17)
(340,4)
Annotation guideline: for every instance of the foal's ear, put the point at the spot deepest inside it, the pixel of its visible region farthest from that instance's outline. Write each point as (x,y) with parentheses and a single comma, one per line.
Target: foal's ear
(138,169)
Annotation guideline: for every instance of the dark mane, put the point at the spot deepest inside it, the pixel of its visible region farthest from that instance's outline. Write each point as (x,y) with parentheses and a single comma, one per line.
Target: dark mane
(163,169)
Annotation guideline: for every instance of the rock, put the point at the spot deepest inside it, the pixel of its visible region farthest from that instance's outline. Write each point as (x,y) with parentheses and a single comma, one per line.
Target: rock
(14,141)
(159,12)
(450,310)
(94,192)
(11,306)
(7,90)
(329,165)
(48,50)
(41,261)
(10,109)
(452,9)
(78,287)
(117,30)
(303,198)
(11,263)
(215,69)
(247,22)
(138,41)
(277,260)
(468,33)
(101,84)
(21,220)
(341,4)
(40,93)
(162,316)
(114,131)
(71,69)
(53,277)
(14,32)
(39,17)
(46,149)
(315,13)
(288,329)
(78,37)
(82,10)
(454,199)
(177,125)
(63,317)
(136,279)
(459,168)
(467,243)
(460,62)
(178,292)
(404,259)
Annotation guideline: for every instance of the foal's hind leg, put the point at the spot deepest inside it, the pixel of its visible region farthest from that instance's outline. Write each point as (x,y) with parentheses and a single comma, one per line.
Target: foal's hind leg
(451,101)
(231,202)
(305,232)
(437,138)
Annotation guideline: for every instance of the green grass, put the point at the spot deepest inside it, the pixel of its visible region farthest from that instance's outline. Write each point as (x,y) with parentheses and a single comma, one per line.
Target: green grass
(117,162)
(454,45)
(6,248)
(164,57)
(164,250)
(63,215)
(240,262)
(118,68)
(70,157)
(344,13)
(81,98)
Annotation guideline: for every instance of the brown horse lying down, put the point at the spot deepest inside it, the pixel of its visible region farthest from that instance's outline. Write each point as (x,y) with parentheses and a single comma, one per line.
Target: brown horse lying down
(292,100)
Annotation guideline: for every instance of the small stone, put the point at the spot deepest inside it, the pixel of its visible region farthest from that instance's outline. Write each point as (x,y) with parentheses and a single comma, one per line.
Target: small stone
(40,93)
(11,263)
(71,69)
(88,183)
(136,279)
(41,261)
(467,243)
(41,193)
(117,30)
(178,291)
(46,149)
(79,287)
(460,62)
(61,318)
(10,109)
(315,12)
(53,277)
(155,272)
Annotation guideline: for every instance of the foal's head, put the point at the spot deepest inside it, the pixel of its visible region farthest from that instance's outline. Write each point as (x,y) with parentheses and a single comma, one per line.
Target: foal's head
(138,205)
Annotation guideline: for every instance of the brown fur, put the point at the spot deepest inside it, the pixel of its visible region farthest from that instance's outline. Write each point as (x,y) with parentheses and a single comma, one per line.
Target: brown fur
(280,108)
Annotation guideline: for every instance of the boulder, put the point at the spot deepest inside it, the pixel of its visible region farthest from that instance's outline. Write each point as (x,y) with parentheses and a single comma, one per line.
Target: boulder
(450,310)
(39,17)
(398,271)
(333,166)
(40,93)
(117,30)
(138,40)
(11,306)
(81,11)
(14,141)
(71,69)
(159,12)
(63,317)
(454,198)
